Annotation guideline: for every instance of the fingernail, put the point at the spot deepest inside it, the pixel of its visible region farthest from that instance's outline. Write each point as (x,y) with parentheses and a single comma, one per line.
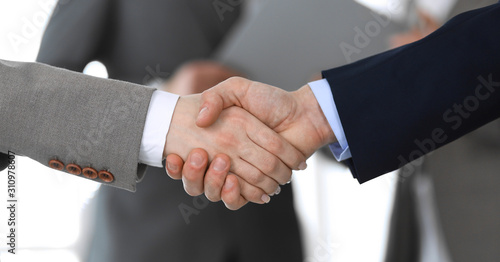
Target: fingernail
(278,190)
(172,167)
(196,160)
(265,198)
(202,113)
(219,164)
(302,166)
(228,185)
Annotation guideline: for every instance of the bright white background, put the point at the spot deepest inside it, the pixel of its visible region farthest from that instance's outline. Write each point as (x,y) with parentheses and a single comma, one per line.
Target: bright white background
(332,206)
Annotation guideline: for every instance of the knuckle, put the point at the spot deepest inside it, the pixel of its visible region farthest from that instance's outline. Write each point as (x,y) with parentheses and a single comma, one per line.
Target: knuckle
(212,186)
(273,143)
(235,80)
(207,95)
(255,195)
(246,150)
(226,140)
(271,166)
(236,116)
(256,178)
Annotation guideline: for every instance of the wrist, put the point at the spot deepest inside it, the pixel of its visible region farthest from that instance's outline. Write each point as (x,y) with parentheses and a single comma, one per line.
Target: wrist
(313,112)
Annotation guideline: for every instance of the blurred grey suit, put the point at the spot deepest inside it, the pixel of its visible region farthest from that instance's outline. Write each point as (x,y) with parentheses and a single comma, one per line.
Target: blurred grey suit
(448,208)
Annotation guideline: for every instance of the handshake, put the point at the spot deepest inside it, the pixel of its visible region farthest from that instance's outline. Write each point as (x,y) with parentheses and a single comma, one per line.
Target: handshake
(250,135)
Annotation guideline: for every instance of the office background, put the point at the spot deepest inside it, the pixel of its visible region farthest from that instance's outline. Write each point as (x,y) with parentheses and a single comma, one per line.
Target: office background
(54,207)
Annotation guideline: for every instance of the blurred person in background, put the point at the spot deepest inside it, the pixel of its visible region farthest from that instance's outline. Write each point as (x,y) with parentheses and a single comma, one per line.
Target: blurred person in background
(145,41)
(447,208)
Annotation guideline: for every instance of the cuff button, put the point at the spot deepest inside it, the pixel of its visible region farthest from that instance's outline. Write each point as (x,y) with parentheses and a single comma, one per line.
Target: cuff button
(89,172)
(74,169)
(56,164)
(106,176)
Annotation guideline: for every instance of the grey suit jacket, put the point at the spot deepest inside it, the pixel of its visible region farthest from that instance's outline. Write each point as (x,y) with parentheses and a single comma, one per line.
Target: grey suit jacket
(54,114)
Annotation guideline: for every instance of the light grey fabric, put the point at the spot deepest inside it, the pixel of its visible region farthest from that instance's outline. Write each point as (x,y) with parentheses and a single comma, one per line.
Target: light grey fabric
(460,207)
(50,113)
(466,180)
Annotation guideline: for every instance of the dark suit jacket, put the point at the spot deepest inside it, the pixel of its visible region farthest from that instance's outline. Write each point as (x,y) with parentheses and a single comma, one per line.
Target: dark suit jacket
(138,41)
(401,104)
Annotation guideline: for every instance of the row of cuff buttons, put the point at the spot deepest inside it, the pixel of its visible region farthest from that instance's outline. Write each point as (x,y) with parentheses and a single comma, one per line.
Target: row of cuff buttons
(87,172)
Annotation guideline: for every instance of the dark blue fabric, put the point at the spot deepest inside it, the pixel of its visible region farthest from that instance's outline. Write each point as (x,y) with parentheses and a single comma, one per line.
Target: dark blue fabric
(392,105)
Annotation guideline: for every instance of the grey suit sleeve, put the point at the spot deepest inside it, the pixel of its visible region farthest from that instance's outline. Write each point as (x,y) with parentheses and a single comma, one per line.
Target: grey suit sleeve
(49,113)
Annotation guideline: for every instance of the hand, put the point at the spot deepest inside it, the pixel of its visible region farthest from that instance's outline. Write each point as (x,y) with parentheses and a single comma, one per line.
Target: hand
(191,78)
(196,77)
(243,138)
(296,116)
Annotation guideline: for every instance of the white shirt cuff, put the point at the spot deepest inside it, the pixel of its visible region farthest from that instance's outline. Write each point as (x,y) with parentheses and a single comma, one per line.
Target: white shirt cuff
(161,109)
(323,94)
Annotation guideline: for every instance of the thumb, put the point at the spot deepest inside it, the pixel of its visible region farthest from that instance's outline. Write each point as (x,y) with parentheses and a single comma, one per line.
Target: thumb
(220,97)
(212,105)
(173,166)
(226,94)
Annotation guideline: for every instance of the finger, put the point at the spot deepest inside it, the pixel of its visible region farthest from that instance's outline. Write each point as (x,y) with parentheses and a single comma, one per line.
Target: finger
(193,172)
(212,105)
(223,95)
(173,166)
(215,177)
(252,193)
(270,167)
(252,175)
(231,193)
(276,145)
(236,193)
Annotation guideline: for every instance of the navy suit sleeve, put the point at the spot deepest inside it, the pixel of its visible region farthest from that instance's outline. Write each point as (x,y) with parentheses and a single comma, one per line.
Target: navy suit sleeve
(404,103)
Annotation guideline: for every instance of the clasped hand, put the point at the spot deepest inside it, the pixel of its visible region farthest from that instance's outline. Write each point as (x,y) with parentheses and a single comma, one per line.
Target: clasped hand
(252,134)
